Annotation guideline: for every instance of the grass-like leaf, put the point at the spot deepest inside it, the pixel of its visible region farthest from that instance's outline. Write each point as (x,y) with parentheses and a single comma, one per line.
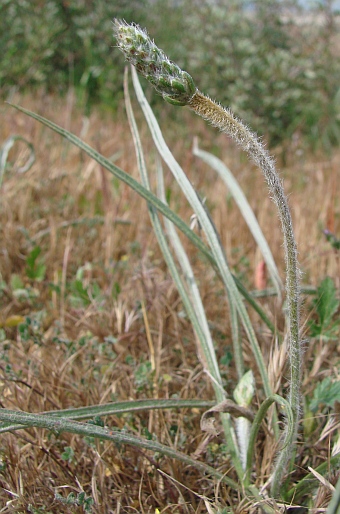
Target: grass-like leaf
(192,303)
(115,408)
(60,425)
(309,482)
(208,228)
(246,211)
(148,196)
(334,506)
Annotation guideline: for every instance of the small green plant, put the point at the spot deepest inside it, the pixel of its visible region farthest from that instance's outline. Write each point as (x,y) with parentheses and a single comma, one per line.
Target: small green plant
(80,500)
(35,268)
(22,291)
(68,454)
(31,327)
(143,376)
(83,289)
(39,510)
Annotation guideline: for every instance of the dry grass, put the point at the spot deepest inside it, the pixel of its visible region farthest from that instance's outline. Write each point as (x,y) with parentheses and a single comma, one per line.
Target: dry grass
(68,362)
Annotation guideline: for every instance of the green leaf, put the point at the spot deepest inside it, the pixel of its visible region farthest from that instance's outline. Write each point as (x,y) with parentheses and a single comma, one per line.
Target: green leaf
(4,151)
(326,306)
(245,209)
(328,303)
(35,270)
(16,282)
(68,454)
(326,393)
(32,257)
(142,375)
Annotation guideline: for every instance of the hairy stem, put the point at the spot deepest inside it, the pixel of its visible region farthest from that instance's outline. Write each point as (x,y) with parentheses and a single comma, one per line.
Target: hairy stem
(224,120)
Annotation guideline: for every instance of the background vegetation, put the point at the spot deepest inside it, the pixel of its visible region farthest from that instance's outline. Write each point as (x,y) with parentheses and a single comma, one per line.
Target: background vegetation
(259,57)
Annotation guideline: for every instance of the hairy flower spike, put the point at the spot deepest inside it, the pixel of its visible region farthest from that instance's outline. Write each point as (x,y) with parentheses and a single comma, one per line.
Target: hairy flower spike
(175,85)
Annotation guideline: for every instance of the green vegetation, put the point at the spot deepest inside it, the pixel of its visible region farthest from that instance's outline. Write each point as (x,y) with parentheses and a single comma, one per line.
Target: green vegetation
(261,58)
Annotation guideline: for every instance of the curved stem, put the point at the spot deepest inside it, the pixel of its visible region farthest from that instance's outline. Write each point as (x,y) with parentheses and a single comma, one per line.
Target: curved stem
(260,415)
(225,120)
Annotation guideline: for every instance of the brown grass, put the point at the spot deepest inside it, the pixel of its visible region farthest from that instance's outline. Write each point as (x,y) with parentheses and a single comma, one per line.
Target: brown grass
(66,361)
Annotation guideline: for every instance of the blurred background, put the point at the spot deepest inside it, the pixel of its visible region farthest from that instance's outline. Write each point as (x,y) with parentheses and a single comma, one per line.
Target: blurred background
(276,63)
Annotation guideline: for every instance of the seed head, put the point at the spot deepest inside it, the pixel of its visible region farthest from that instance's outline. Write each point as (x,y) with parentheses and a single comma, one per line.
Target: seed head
(175,85)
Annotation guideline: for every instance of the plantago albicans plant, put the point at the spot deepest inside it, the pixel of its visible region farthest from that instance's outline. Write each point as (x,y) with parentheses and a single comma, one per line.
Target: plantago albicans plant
(178,88)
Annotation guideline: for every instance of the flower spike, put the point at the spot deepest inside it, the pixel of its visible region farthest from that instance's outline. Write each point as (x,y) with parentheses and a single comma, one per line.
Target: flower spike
(175,85)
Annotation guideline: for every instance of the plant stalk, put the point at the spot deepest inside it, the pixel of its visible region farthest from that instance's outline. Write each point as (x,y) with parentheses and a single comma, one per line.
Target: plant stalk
(224,120)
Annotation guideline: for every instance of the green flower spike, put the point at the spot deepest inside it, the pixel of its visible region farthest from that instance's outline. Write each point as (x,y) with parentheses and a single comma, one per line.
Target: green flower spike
(175,85)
